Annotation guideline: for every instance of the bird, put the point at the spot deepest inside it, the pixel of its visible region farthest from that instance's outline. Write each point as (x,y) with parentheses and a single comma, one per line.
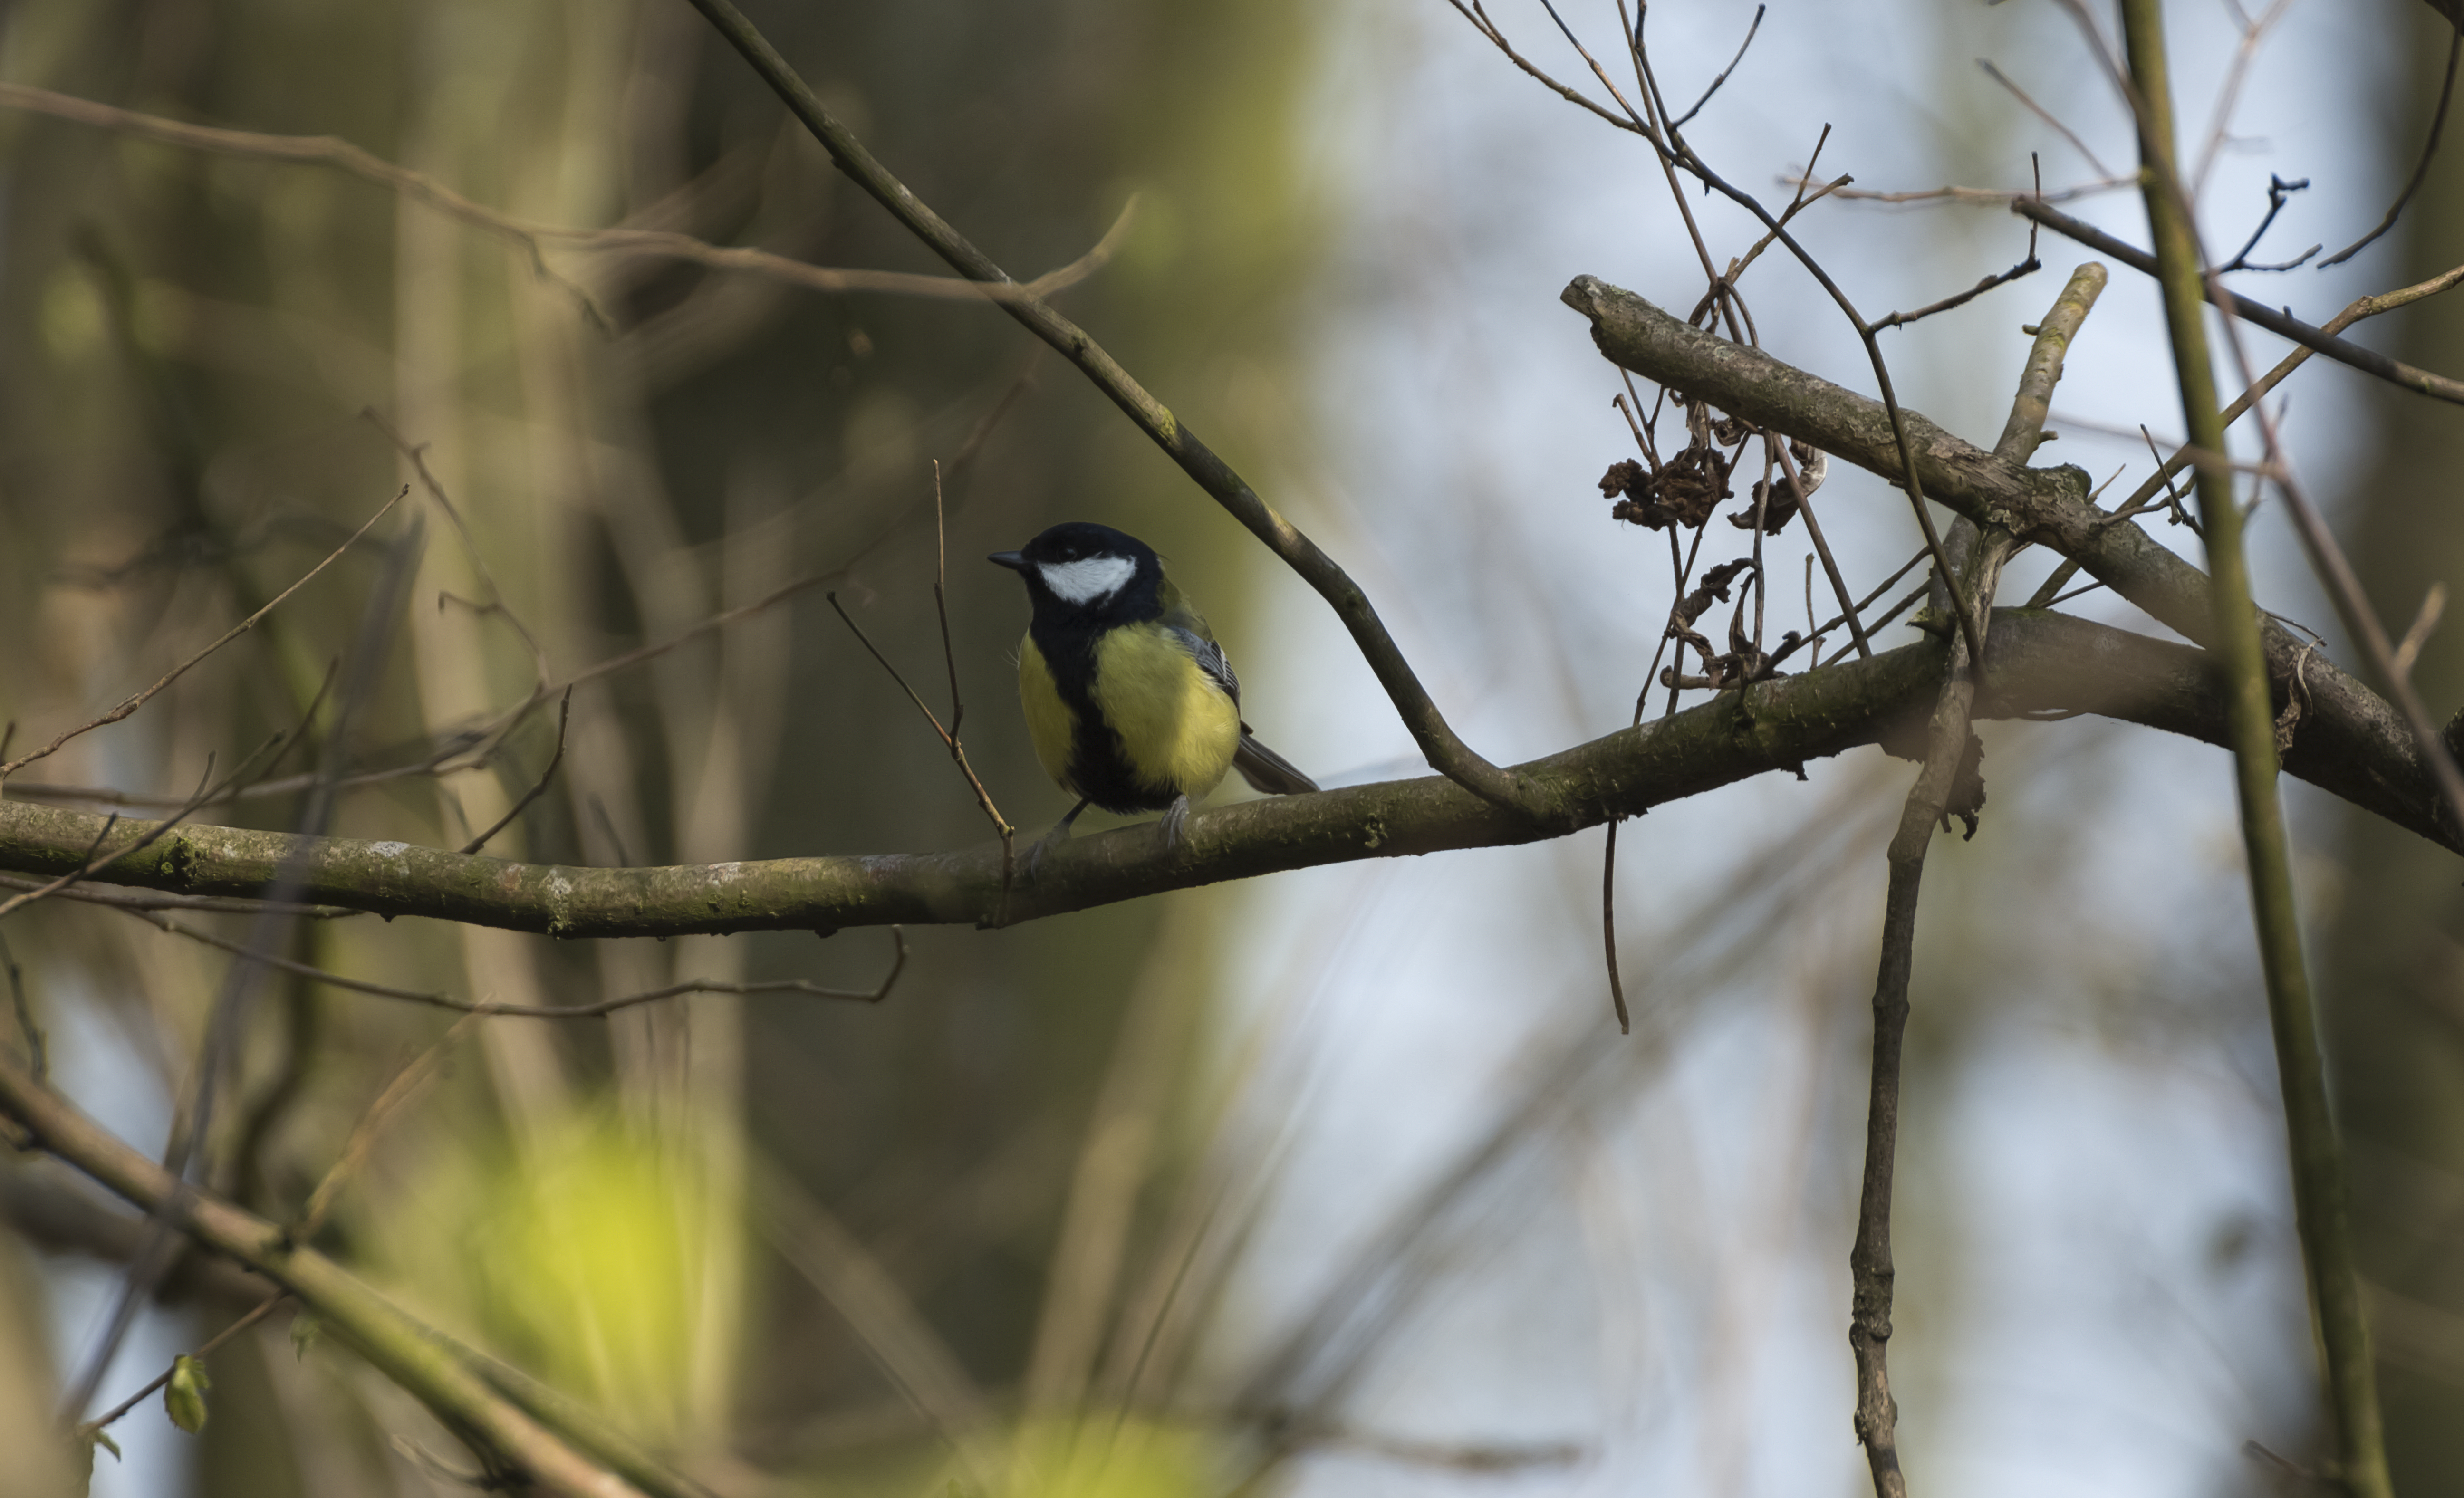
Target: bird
(1129,699)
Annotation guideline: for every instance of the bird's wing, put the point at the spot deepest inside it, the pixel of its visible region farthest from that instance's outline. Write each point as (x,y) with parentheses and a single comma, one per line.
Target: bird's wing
(1181,619)
(1209,656)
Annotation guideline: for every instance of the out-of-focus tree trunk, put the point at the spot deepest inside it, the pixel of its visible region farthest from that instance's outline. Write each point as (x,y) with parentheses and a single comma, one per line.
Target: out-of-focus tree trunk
(2392,964)
(190,341)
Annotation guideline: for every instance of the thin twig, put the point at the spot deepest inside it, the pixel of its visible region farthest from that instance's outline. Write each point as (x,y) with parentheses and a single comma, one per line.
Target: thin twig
(2279,192)
(1608,931)
(535,238)
(1479,18)
(406,1084)
(1723,290)
(416,454)
(950,659)
(949,740)
(1812,641)
(488,1008)
(257,1313)
(2047,115)
(38,1050)
(133,703)
(1899,320)
(563,716)
(1888,616)
(2003,196)
(1724,72)
(1674,152)
(2421,169)
(2369,361)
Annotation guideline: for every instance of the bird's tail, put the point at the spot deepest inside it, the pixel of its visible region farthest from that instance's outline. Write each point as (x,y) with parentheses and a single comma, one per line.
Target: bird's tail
(1266,770)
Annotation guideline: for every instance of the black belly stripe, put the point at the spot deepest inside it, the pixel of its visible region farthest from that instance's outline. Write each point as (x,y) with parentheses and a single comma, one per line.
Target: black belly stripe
(1099,762)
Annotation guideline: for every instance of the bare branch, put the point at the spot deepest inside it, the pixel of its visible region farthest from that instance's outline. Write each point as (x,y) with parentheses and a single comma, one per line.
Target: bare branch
(2353,745)
(2047,115)
(1757,25)
(2279,192)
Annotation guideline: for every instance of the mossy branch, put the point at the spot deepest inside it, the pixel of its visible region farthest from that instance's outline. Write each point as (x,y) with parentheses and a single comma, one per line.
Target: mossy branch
(2038,663)
(2319,1193)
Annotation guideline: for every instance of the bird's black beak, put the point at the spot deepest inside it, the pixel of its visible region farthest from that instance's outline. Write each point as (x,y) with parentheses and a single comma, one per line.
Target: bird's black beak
(1008,559)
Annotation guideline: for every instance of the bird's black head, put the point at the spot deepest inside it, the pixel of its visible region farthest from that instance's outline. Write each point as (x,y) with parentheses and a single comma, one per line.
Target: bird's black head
(1083,570)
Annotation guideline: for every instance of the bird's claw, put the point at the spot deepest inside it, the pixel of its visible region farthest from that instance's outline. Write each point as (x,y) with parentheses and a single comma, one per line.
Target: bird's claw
(1175,824)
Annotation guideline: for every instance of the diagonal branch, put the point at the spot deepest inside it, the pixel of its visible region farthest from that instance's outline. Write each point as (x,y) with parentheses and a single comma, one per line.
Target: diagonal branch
(1445,753)
(407,1352)
(2283,324)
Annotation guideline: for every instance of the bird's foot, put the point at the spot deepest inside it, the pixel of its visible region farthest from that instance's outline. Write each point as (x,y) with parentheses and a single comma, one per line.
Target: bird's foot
(1175,824)
(1033,862)
(1049,841)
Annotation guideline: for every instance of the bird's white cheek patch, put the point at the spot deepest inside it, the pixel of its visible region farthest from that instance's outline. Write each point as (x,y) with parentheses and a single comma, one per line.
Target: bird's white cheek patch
(1086,581)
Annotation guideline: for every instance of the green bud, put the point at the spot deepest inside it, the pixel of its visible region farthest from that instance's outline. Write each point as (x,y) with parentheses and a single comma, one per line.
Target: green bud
(306,1327)
(184,1396)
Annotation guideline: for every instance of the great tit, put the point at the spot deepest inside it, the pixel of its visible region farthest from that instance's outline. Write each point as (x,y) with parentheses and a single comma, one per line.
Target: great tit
(1129,699)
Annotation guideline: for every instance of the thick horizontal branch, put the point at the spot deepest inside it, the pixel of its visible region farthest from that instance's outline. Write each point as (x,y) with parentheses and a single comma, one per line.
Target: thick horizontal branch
(2037,663)
(2048,507)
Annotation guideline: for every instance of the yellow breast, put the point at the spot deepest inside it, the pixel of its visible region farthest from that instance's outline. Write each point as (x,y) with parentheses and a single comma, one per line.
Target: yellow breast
(1178,727)
(1047,718)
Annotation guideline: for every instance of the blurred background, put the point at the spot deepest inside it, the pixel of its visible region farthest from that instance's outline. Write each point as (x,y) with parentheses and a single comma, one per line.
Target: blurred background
(1338,1182)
